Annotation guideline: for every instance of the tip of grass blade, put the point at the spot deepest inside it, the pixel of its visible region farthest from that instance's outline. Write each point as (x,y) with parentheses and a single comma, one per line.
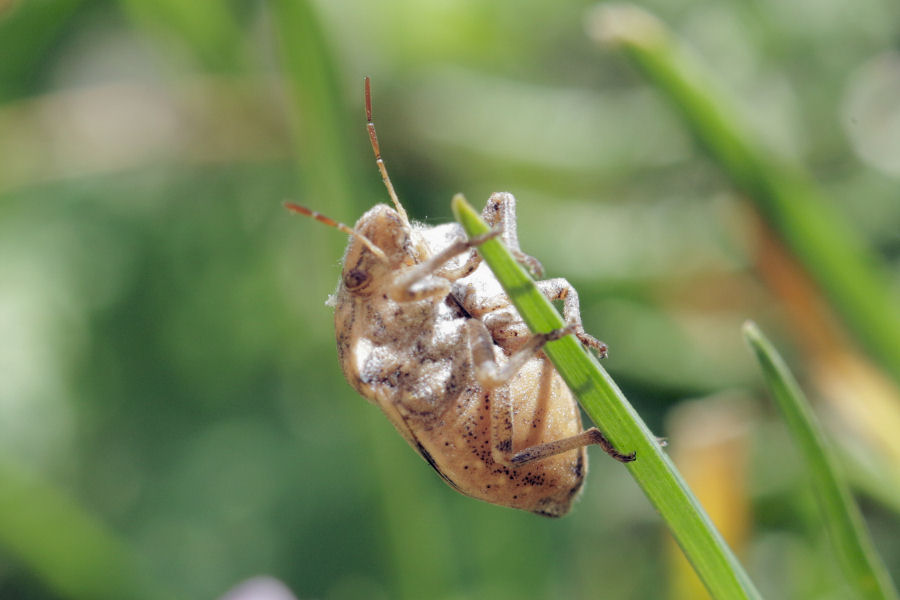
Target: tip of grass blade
(616,24)
(768,358)
(459,204)
(469,218)
(751,331)
(462,210)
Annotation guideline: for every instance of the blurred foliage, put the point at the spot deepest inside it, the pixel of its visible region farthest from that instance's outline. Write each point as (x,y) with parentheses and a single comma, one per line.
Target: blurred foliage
(168,381)
(864,572)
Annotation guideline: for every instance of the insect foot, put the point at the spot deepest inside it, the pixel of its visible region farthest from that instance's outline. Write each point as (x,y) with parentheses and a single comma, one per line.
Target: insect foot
(425,332)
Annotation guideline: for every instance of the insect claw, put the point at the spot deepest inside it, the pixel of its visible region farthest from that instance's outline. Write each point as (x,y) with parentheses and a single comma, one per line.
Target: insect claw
(625,458)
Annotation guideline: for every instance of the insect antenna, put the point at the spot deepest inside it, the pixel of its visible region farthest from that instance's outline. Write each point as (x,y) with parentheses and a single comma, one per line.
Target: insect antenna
(370,125)
(302,210)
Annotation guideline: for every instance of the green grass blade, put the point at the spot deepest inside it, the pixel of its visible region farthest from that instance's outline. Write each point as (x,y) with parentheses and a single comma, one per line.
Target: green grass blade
(319,116)
(841,517)
(848,271)
(608,408)
(68,549)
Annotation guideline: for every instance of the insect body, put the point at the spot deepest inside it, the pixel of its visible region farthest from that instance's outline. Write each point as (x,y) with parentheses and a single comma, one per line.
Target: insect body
(425,331)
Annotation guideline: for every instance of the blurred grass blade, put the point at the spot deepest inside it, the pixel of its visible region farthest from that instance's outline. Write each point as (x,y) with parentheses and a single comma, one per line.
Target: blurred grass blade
(71,552)
(607,407)
(864,570)
(320,130)
(27,31)
(209,29)
(848,271)
(318,112)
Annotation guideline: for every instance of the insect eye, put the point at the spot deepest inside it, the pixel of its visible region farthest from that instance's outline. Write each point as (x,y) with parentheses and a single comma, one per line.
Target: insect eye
(354,279)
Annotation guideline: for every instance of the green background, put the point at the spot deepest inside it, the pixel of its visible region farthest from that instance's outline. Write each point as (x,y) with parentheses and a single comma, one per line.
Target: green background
(173,420)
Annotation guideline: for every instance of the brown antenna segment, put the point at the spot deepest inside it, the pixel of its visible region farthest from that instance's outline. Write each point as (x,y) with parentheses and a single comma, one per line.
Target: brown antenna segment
(370,126)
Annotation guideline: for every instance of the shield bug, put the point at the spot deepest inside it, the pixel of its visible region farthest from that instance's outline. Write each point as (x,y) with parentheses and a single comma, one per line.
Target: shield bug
(425,331)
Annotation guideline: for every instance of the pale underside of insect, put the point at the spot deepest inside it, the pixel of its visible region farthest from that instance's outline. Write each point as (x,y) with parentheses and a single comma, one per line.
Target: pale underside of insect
(425,331)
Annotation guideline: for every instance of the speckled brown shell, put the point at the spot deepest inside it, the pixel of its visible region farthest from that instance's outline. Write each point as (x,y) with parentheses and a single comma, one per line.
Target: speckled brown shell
(412,359)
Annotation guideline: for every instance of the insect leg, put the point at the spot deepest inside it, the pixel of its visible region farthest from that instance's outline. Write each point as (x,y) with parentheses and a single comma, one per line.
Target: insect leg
(416,282)
(590,436)
(467,268)
(491,375)
(560,289)
(500,211)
